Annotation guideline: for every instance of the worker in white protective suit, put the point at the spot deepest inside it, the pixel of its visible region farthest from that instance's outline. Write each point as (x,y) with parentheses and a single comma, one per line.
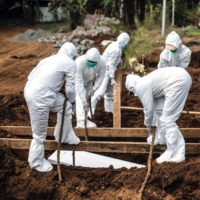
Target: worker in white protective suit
(112,55)
(42,96)
(175,53)
(173,84)
(89,67)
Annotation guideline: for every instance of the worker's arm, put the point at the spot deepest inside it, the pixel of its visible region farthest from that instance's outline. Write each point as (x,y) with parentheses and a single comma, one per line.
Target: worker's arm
(146,97)
(79,83)
(163,62)
(186,59)
(100,76)
(113,62)
(70,84)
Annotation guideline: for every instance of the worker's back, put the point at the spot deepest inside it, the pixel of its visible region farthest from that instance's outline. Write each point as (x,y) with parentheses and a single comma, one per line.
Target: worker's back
(51,71)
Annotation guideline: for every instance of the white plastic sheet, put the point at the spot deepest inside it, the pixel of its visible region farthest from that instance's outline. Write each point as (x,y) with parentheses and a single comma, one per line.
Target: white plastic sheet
(86,159)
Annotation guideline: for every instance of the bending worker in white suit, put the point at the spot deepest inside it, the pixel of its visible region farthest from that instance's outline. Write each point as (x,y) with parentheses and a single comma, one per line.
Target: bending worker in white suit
(175,53)
(42,96)
(174,84)
(112,55)
(89,67)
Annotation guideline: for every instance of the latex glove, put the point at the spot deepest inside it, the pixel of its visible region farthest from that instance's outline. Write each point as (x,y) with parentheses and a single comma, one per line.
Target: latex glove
(149,129)
(92,92)
(113,82)
(73,108)
(86,105)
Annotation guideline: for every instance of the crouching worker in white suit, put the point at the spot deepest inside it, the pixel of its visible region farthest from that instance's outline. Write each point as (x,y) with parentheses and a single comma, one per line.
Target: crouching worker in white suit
(42,96)
(173,84)
(112,56)
(89,67)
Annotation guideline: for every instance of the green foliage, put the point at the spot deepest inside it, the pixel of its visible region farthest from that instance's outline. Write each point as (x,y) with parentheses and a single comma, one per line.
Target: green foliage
(55,27)
(140,43)
(16,5)
(194,32)
(111,7)
(153,18)
(116,29)
(182,13)
(75,9)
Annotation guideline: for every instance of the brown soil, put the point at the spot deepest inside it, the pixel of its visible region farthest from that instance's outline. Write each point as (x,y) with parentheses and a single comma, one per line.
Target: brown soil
(18,181)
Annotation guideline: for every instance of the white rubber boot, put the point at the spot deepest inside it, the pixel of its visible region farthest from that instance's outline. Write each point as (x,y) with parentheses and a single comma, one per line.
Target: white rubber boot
(108,105)
(36,157)
(68,135)
(165,157)
(81,124)
(149,140)
(175,146)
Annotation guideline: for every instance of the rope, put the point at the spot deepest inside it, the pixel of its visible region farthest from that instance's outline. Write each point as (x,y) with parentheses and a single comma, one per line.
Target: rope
(59,143)
(86,130)
(188,114)
(149,168)
(73,155)
(90,108)
(85,121)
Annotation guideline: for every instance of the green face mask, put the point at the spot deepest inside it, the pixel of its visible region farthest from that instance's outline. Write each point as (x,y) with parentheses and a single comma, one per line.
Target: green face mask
(90,63)
(173,51)
(126,46)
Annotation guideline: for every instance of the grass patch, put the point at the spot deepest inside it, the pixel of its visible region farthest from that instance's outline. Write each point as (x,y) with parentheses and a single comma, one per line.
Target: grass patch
(194,32)
(54,27)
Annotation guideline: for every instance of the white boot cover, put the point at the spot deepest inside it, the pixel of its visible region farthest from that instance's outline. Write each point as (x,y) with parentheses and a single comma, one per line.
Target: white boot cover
(149,139)
(68,135)
(36,157)
(94,101)
(90,124)
(175,143)
(108,105)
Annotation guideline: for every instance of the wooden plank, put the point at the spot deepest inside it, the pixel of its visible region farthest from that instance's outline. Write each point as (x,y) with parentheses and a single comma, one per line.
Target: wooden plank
(136,108)
(117,100)
(102,132)
(93,146)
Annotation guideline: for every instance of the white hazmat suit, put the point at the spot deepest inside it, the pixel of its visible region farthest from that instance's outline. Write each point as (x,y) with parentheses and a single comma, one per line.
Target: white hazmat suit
(175,54)
(173,84)
(179,58)
(112,56)
(85,76)
(42,96)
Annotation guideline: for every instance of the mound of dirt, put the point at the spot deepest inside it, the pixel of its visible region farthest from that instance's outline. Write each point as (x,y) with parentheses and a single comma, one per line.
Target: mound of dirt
(32,35)
(167,181)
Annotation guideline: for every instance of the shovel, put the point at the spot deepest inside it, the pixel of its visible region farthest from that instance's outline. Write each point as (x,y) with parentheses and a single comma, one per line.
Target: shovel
(85,122)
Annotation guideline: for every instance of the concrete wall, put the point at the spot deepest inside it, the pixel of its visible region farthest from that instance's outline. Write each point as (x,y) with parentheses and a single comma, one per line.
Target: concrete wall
(48,16)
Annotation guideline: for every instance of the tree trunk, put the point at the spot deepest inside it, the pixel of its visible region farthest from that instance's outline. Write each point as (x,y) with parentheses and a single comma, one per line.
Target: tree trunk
(130,13)
(30,9)
(141,15)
